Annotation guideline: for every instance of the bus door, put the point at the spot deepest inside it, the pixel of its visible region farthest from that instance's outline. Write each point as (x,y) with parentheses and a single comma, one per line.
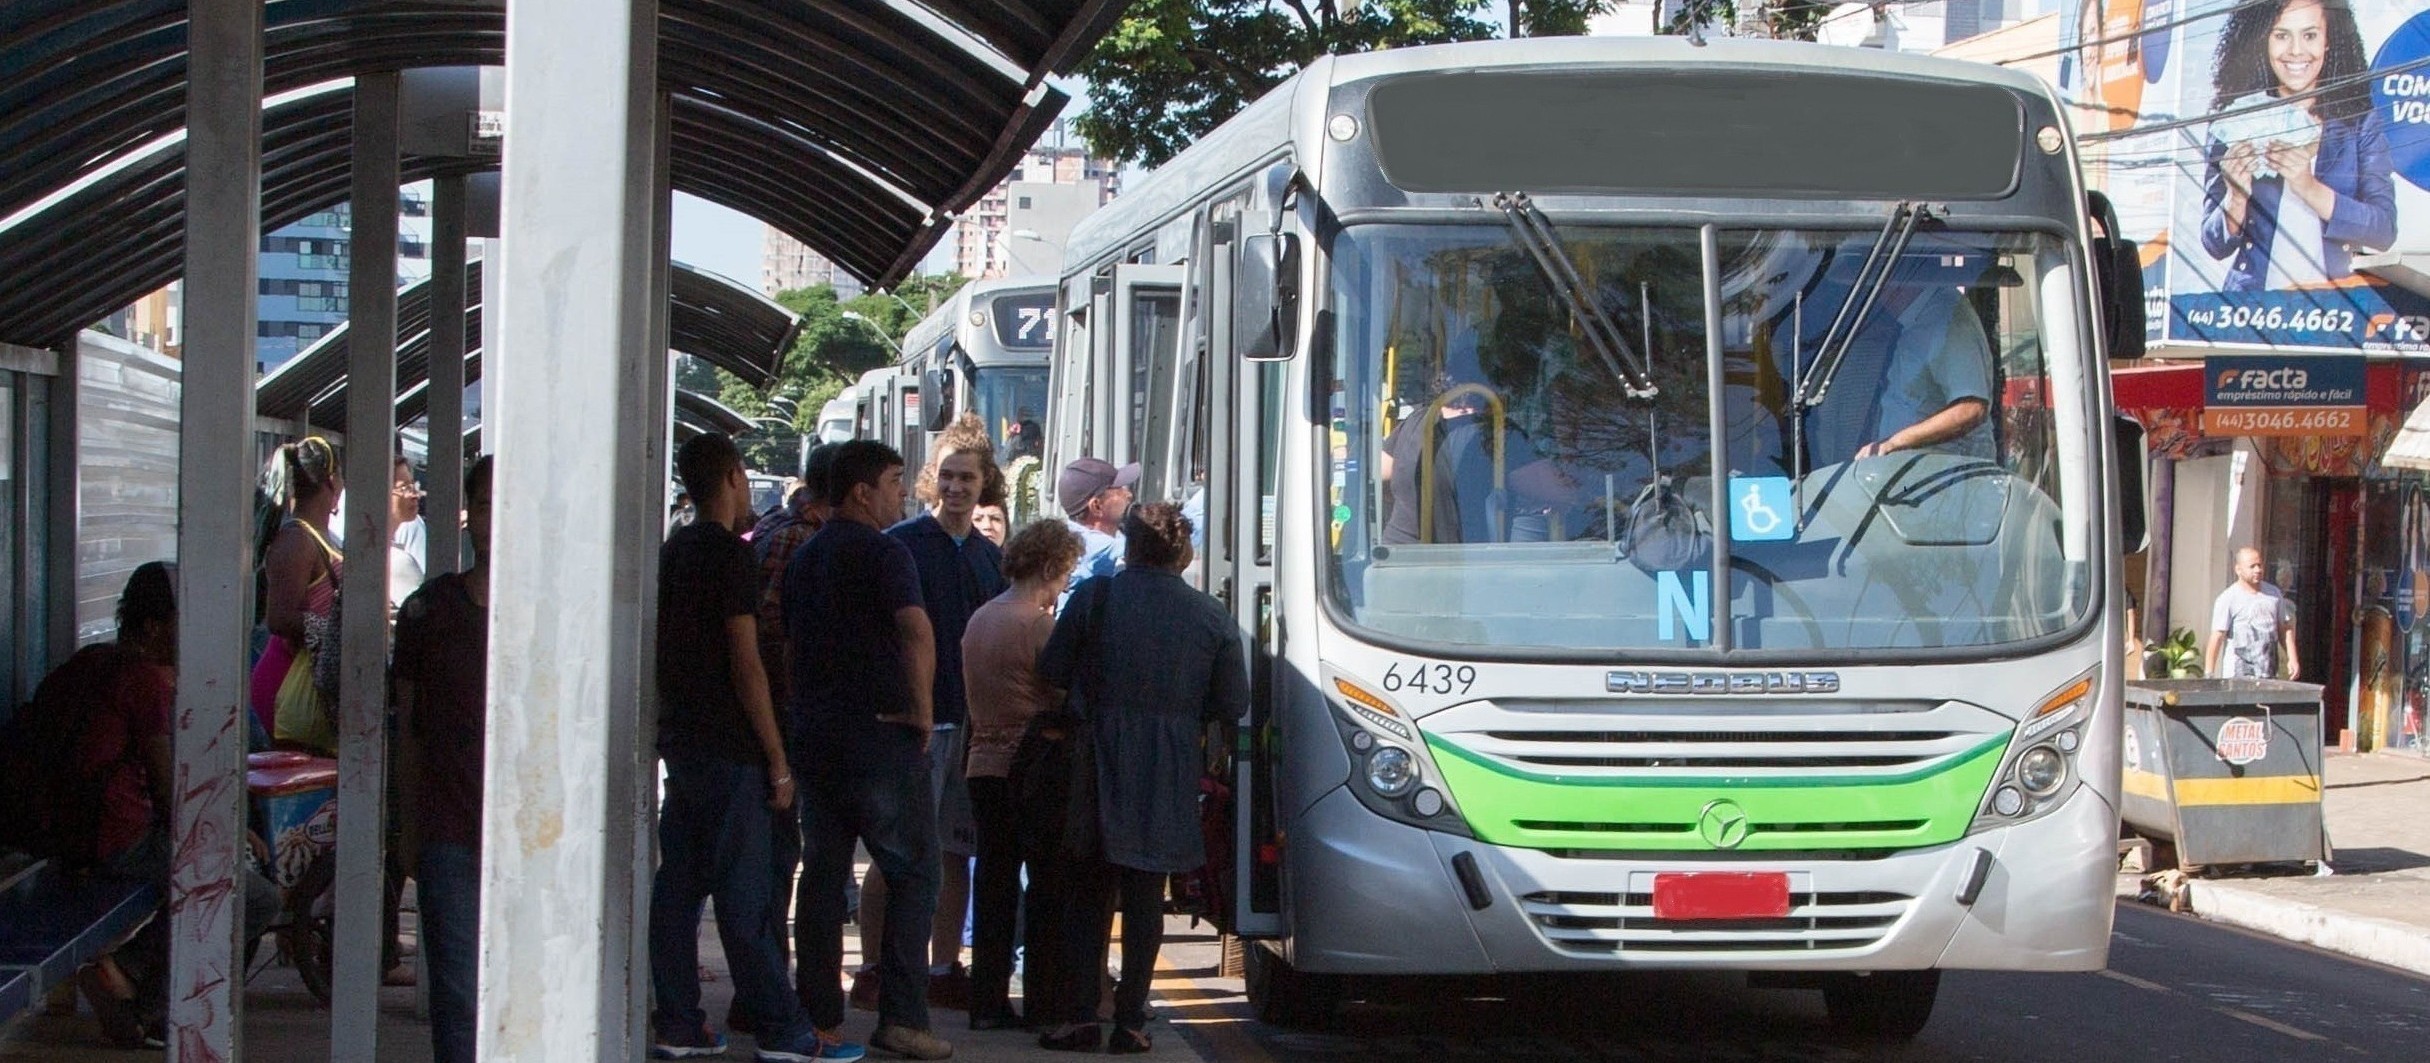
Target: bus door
(1227,444)
(1147,330)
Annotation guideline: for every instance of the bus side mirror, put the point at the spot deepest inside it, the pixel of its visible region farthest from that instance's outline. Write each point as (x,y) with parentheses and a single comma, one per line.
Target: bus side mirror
(937,411)
(2134,495)
(2117,279)
(2119,268)
(1266,320)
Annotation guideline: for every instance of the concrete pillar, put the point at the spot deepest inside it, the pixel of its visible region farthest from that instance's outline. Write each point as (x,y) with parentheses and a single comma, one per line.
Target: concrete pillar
(371,389)
(557,857)
(63,481)
(214,535)
(441,509)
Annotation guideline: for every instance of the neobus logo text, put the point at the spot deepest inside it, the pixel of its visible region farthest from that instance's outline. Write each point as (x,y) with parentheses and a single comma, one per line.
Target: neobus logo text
(1722,682)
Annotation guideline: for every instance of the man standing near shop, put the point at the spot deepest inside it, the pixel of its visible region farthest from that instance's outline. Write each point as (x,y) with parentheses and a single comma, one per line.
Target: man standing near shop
(2254,623)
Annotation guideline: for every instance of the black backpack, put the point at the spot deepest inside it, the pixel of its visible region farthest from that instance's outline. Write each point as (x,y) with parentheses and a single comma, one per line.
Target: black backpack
(48,808)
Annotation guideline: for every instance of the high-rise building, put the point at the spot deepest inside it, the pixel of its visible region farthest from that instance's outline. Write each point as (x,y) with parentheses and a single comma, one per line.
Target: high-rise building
(786,264)
(303,274)
(1021,225)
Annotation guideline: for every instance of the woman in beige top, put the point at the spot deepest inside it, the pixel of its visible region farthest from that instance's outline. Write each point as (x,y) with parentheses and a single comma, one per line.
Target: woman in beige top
(1000,676)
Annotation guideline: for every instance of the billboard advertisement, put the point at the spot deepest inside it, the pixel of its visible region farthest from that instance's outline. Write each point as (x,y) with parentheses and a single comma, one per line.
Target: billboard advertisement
(2259,149)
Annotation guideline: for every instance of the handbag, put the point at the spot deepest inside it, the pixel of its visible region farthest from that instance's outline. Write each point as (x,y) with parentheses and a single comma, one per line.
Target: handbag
(302,716)
(323,634)
(1054,771)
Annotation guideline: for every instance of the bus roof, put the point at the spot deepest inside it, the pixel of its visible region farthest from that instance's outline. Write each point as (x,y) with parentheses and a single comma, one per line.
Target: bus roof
(1288,117)
(954,313)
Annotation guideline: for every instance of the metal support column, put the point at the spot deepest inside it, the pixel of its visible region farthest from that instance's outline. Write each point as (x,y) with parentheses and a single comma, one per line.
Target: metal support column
(214,535)
(371,389)
(63,478)
(556,861)
(445,503)
(648,513)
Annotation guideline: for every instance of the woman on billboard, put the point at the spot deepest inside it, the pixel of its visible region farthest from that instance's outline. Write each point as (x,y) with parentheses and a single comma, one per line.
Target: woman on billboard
(2294,187)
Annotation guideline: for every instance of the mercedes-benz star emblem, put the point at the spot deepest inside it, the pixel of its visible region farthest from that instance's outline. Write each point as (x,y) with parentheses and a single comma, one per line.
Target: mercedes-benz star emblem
(1722,824)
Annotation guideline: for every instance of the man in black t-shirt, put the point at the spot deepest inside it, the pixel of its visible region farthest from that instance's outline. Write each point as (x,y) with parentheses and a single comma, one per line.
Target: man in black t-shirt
(864,668)
(726,774)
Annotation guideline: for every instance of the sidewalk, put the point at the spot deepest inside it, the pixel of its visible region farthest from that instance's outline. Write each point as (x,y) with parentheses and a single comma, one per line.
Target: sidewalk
(1194,1017)
(2377,904)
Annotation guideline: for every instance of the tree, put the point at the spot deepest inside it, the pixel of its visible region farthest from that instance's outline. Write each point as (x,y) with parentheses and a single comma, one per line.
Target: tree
(1174,69)
(1788,20)
(830,353)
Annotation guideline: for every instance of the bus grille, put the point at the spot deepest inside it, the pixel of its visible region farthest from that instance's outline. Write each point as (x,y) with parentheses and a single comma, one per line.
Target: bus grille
(1608,923)
(1878,740)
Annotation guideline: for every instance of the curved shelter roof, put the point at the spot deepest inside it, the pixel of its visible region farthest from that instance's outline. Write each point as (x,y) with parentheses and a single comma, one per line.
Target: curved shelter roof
(851,125)
(710,317)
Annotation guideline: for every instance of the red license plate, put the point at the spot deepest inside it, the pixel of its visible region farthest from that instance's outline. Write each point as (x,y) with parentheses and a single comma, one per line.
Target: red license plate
(1722,895)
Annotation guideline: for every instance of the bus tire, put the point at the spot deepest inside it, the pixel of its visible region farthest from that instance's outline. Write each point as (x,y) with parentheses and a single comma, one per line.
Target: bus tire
(1883,1005)
(1286,996)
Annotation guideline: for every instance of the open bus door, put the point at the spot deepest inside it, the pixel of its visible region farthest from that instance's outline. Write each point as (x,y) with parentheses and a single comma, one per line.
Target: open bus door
(1240,567)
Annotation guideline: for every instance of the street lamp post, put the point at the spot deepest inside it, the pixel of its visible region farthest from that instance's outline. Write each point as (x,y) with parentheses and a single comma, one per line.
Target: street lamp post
(854,315)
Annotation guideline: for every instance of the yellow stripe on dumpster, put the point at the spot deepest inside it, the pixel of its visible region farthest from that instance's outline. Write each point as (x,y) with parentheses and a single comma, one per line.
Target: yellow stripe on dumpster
(2145,784)
(2257,790)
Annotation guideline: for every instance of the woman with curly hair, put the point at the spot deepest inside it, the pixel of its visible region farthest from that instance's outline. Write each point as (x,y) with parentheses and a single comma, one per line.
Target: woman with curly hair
(1000,671)
(2298,175)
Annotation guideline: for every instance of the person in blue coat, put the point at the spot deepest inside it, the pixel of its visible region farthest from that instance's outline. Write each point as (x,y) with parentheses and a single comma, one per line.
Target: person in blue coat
(2292,191)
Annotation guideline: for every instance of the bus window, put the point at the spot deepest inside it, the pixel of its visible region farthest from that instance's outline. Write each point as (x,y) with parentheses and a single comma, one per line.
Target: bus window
(1155,321)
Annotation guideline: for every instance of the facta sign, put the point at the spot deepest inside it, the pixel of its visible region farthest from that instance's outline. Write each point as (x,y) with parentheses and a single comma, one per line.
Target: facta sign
(2284,395)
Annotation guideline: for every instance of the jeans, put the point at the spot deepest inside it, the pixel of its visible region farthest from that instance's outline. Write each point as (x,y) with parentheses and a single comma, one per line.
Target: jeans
(871,786)
(996,895)
(448,882)
(1088,926)
(713,835)
(144,958)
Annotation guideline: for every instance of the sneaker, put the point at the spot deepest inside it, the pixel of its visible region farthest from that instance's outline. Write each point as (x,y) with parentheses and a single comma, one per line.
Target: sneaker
(813,1046)
(701,1042)
(950,990)
(911,1044)
(865,989)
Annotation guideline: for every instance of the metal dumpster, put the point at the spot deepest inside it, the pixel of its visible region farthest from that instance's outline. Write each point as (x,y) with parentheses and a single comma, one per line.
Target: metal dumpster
(2227,769)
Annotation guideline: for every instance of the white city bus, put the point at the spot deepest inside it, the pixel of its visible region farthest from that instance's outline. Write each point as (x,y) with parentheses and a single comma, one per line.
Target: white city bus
(1548,405)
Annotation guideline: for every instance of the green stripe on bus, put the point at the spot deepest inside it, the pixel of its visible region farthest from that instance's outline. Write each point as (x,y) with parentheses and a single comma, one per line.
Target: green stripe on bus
(1506,805)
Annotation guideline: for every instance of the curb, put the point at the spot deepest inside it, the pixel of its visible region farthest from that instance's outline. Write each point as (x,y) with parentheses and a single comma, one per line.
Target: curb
(2379,941)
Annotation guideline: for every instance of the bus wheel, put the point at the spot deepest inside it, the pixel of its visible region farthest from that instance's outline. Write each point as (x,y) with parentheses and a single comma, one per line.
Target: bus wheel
(1883,1005)
(1284,995)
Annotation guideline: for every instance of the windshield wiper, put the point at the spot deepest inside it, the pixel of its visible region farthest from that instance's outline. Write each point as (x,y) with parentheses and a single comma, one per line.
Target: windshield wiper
(1862,294)
(1535,233)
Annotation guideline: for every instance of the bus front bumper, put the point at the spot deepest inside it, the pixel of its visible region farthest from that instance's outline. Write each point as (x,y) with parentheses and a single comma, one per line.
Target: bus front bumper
(1372,896)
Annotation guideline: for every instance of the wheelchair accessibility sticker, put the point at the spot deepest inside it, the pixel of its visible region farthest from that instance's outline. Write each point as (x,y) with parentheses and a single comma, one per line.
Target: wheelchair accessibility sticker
(1761,509)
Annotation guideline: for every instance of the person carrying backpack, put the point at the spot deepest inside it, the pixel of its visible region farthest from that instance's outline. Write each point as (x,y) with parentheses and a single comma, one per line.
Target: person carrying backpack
(86,766)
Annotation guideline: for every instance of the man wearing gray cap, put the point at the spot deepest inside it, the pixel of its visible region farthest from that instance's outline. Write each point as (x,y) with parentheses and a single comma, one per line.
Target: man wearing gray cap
(1095,495)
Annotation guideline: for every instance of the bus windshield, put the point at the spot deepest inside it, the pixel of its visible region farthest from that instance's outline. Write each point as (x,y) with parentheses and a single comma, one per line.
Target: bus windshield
(1011,401)
(1887,456)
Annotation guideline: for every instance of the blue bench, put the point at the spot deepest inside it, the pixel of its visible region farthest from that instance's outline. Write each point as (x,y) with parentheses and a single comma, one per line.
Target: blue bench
(53,923)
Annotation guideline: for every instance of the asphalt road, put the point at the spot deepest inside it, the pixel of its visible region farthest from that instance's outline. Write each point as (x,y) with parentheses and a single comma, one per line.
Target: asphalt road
(2177,989)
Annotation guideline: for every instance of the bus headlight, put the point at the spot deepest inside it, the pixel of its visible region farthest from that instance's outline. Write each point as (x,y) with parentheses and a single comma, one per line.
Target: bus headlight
(1388,762)
(2039,768)
(1391,771)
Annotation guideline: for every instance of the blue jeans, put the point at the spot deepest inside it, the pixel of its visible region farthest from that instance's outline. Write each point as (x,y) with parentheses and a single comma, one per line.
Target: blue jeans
(713,841)
(449,885)
(871,786)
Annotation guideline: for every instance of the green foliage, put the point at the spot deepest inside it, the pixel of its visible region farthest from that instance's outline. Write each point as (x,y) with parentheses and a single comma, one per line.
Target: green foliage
(831,353)
(1787,20)
(1174,69)
(2178,658)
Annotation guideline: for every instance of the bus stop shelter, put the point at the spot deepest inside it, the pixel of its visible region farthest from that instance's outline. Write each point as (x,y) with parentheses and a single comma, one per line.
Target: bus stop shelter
(143,141)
